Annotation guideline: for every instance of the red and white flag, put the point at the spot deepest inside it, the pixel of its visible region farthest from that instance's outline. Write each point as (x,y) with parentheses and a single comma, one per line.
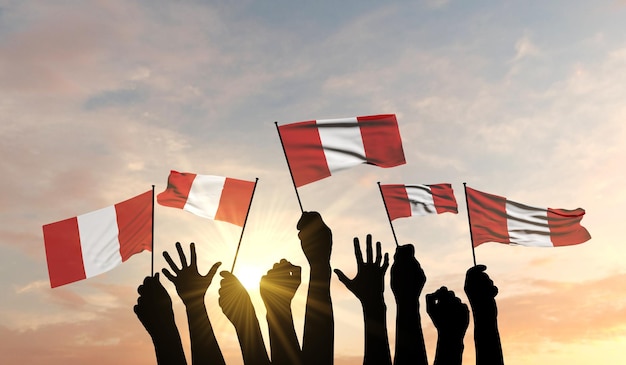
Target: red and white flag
(315,149)
(414,200)
(91,244)
(214,197)
(497,219)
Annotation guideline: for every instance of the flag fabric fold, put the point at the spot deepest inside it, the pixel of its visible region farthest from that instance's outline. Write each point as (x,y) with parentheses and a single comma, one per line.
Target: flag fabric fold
(415,200)
(93,243)
(316,149)
(496,219)
(208,196)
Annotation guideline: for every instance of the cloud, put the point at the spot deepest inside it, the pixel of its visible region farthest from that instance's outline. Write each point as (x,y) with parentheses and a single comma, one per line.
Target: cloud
(118,98)
(563,313)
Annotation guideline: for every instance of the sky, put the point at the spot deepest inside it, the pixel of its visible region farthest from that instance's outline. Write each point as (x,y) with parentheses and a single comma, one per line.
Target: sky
(99,100)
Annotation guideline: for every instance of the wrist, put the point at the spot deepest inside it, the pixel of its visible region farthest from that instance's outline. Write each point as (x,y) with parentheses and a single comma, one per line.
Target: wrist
(278,310)
(194,303)
(320,270)
(374,307)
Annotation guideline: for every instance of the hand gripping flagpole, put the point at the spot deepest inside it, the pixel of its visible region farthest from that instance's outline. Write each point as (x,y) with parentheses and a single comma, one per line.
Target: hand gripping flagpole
(244,226)
(289,166)
(152,242)
(469,219)
(387,210)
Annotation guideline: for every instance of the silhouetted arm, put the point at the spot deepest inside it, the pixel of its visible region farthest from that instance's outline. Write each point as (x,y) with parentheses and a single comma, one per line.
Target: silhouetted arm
(154,310)
(407,282)
(451,318)
(277,290)
(318,339)
(368,286)
(236,305)
(482,297)
(192,287)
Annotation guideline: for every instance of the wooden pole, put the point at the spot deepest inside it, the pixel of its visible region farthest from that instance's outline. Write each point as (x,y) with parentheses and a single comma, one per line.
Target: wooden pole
(244,226)
(289,166)
(152,243)
(388,216)
(469,219)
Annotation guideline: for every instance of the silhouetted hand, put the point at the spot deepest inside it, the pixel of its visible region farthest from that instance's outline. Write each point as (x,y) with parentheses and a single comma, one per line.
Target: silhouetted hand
(154,305)
(190,285)
(234,300)
(154,310)
(368,284)
(451,318)
(237,306)
(280,284)
(449,315)
(407,276)
(482,297)
(318,339)
(277,290)
(407,282)
(315,237)
(480,289)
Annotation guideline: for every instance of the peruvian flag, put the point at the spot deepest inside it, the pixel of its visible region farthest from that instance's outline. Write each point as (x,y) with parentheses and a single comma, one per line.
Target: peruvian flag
(91,244)
(214,197)
(414,200)
(315,149)
(497,219)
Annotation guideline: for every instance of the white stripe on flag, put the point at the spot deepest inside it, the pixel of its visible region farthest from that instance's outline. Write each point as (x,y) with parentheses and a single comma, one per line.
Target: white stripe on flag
(527,226)
(204,195)
(421,199)
(342,143)
(99,241)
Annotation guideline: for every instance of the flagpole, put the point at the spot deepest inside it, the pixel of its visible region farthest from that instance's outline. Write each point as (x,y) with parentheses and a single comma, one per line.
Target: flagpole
(387,210)
(152,243)
(469,219)
(289,166)
(244,225)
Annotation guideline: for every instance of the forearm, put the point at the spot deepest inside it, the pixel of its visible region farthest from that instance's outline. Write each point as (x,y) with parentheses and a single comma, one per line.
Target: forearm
(487,339)
(204,346)
(168,345)
(318,339)
(410,347)
(376,338)
(449,350)
(251,342)
(285,348)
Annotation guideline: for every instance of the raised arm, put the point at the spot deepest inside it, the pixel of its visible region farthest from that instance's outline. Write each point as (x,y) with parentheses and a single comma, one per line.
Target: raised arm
(368,286)
(318,339)
(277,290)
(407,282)
(451,318)
(482,297)
(237,306)
(154,310)
(191,286)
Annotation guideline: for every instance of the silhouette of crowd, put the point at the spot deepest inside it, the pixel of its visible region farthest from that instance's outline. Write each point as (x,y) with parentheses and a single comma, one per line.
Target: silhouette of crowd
(277,288)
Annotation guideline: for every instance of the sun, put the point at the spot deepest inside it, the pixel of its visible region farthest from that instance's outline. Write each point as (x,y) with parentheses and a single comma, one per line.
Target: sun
(249,276)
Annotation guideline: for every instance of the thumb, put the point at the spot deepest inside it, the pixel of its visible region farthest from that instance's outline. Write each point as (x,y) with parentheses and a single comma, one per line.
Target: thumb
(343,278)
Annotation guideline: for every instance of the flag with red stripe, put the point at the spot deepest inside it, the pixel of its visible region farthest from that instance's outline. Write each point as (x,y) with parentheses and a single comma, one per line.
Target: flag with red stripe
(415,200)
(318,148)
(208,196)
(93,243)
(496,219)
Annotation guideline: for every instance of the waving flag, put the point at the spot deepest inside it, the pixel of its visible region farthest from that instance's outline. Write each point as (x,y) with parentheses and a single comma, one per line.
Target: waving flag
(414,200)
(496,219)
(214,197)
(316,149)
(91,244)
